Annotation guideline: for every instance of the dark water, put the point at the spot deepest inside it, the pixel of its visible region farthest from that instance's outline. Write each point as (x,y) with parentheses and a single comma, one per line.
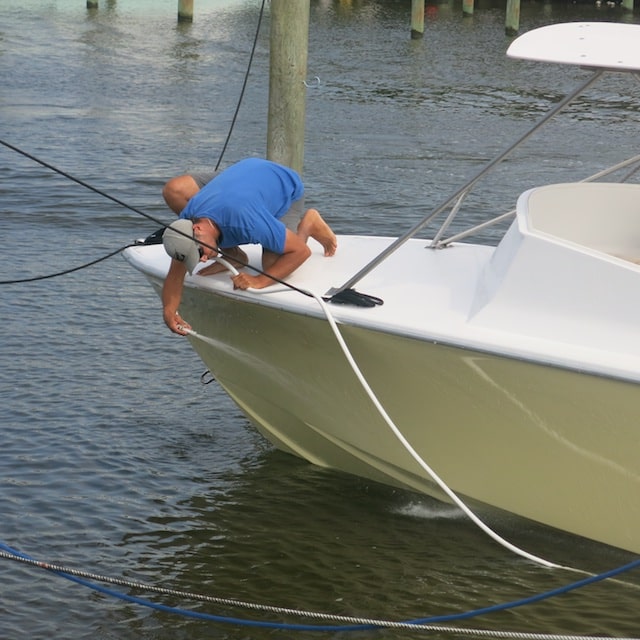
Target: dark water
(115,459)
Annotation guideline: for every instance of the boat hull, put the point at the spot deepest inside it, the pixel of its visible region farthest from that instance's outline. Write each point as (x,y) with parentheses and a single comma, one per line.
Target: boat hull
(513,371)
(550,444)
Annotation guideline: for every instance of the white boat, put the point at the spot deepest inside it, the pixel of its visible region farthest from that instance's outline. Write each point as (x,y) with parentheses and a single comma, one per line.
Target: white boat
(506,376)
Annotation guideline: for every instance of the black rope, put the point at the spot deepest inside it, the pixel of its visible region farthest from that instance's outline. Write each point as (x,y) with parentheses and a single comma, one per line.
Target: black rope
(164,225)
(244,86)
(117,200)
(347,297)
(82,183)
(159,222)
(66,271)
(87,186)
(355,298)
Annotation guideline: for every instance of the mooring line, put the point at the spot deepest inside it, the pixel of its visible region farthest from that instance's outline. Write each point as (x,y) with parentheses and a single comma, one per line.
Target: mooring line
(67,271)
(117,200)
(244,85)
(84,184)
(416,456)
(159,222)
(350,623)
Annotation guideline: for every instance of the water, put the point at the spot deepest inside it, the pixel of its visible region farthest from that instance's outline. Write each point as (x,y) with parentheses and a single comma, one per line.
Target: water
(115,459)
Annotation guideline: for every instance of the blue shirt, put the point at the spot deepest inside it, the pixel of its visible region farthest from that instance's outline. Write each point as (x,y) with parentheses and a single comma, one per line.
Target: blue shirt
(246,201)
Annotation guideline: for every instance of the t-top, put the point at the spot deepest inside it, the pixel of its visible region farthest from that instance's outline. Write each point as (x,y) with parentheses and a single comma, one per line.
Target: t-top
(246,201)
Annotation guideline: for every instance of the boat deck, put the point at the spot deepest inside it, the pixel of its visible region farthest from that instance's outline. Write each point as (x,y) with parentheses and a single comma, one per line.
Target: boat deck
(467,295)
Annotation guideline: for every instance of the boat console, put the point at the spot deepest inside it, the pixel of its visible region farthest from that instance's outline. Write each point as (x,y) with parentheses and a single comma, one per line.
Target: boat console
(604,217)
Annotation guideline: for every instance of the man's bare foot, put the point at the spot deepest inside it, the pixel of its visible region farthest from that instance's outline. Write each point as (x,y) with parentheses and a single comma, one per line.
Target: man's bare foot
(313,226)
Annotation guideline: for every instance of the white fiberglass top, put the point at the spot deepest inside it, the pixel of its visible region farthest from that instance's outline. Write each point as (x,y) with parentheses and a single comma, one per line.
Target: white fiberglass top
(610,45)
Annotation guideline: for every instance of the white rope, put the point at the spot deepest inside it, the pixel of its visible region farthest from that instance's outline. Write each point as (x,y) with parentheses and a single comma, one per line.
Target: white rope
(405,443)
(414,454)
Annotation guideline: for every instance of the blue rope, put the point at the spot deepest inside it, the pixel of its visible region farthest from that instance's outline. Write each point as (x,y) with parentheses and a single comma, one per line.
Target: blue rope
(331,628)
(531,599)
(192,614)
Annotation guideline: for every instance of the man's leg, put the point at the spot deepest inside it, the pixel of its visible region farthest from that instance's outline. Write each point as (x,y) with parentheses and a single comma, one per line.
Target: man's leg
(268,258)
(178,191)
(313,226)
(309,225)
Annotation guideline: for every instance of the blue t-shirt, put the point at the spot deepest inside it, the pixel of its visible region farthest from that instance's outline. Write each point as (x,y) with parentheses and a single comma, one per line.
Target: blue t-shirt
(246,201)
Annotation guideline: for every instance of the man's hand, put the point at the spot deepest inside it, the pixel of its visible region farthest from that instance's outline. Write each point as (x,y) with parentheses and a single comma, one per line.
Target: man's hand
(278,265)
(245,281)
(176,323)
(171,295)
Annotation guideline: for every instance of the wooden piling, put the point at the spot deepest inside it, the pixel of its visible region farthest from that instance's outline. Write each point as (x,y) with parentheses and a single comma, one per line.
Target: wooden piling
(185,10)
(512,18)
(92,4)
(289,41)
(467,7)
(417,19)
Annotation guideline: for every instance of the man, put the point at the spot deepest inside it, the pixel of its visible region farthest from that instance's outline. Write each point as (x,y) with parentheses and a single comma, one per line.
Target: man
(248,203)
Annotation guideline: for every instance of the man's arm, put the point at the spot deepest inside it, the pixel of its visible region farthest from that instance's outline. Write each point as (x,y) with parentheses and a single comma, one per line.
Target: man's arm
(280,266)
(171,296)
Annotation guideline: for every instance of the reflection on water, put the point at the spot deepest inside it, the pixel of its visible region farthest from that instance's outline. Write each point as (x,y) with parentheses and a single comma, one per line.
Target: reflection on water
(115,459)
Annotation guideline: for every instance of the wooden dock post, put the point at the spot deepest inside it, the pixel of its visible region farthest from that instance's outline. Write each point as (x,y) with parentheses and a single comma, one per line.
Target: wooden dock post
(185,10)
(417,19)
(289,41)
(467,7)
(512,18)
(92,4)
